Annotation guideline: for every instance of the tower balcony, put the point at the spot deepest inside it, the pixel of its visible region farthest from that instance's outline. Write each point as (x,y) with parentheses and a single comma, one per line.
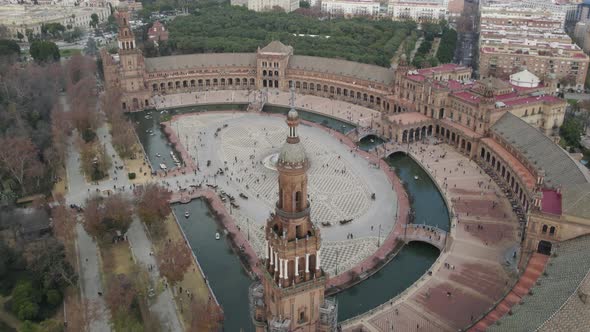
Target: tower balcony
(292,215)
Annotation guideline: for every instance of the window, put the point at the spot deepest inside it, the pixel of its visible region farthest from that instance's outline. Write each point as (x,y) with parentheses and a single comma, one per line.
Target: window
(544,230)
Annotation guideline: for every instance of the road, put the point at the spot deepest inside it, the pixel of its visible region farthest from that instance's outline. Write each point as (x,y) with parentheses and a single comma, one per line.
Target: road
(163,306)
(90,274)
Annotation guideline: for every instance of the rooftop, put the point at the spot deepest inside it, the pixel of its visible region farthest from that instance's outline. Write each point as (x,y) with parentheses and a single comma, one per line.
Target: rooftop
(561,170)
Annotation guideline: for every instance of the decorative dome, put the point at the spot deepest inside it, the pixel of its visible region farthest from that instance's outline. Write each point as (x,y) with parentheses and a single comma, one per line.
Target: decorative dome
(292,115)
(292,153)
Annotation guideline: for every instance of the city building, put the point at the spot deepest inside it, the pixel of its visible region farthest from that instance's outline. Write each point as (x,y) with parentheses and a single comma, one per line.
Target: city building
(267,5)
(351,7)
(582,27)
(157,32)
(513,39)
(23,18)
(418,10)
(292,294)
(507,126)
(456,7)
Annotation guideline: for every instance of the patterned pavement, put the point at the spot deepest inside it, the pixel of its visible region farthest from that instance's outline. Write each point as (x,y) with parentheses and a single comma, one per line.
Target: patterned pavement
(340,183)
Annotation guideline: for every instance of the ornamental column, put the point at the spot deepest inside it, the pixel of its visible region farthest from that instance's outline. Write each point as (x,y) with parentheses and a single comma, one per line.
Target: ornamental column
(280,268)
(306,263)
(271,255)
(317,259)
(296,266)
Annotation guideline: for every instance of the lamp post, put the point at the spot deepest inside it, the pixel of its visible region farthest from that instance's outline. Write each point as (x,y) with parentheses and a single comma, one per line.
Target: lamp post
(248,223)
(379,237)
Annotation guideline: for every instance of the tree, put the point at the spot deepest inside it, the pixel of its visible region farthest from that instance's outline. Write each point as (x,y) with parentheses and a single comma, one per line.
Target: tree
(20,36)
(94,20)
(304,4)
(105,216)
(206,316)
(44,51)
(24,301)
(153,203)
(174,260)
(91,49)
(9,48)
(121,293)
(49,264)
(570,131)
(112,26)
(21,160)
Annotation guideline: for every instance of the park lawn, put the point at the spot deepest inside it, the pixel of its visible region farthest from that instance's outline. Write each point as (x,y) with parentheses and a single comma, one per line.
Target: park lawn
(138,167)
(68,52)
(193,280)
(117,259)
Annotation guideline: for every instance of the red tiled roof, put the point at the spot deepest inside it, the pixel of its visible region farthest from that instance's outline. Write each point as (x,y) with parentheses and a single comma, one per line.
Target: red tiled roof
(419,78)
(523,173)
(551,202)
(440,69)
(467,96)
(531,99)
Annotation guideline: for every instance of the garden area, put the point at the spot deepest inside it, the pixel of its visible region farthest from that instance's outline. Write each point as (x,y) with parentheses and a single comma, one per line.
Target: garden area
(217,28)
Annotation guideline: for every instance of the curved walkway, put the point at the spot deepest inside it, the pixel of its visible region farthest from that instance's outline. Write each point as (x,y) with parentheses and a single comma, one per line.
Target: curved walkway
(469,278)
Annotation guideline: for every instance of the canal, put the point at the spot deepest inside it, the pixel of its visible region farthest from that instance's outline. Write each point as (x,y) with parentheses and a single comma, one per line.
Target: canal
(326,121)
(369,142)
(223,269)
(153,139)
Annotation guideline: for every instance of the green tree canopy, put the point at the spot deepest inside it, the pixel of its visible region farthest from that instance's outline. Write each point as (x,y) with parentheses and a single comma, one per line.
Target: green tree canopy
(9,47)
(44,51)
(220,28)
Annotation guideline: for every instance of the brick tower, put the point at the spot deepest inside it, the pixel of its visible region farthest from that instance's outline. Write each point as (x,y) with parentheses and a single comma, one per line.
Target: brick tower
(131,66)
(291,294)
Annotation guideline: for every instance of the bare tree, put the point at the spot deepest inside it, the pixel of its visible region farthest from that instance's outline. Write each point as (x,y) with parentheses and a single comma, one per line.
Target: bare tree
(153,203)
(20,160)
(174,260)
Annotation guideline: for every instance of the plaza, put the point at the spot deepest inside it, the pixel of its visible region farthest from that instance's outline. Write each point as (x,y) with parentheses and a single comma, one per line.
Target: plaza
(340,183)
(486,150)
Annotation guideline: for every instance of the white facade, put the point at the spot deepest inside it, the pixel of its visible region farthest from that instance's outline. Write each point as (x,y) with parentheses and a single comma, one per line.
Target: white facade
(267,5)
(351,7)
(419,10)
(525,79)
(19,18)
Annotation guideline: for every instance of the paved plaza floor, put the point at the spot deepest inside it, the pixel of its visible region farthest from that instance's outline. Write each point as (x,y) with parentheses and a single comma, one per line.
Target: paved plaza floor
(477,268)
(340,182)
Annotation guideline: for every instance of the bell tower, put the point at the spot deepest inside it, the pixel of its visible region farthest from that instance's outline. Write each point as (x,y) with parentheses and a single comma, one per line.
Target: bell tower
(293,285)
(135,95)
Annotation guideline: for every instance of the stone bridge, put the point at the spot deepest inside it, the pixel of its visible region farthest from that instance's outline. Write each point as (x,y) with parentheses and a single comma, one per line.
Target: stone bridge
(425,233)
(361,132)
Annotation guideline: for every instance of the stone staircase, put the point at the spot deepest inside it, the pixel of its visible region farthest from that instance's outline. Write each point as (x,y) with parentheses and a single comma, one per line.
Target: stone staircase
(533,271)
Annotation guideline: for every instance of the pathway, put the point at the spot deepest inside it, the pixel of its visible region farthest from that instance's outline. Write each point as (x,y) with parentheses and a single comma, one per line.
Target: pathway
(90,273)
(90,281)
(164,305)
(461,286)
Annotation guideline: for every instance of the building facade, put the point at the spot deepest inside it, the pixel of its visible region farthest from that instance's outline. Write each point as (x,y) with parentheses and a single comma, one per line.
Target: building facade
(292,294)
(267,5)
(419,10)
(513,39)
(351,7)
(507,126)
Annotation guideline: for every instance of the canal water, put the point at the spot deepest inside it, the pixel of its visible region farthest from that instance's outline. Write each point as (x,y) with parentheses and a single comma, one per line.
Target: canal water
(427,202)
(326,121)
(153,139)
(223,269)
(370,142)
